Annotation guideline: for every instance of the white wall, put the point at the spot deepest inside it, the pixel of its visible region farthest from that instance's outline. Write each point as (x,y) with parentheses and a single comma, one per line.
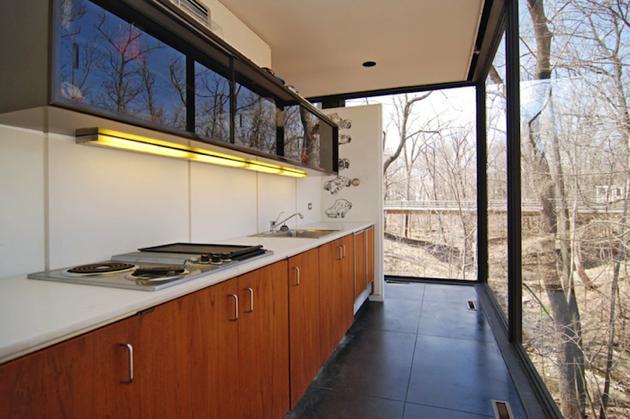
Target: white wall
(239,35)
(63,203)
(365,154)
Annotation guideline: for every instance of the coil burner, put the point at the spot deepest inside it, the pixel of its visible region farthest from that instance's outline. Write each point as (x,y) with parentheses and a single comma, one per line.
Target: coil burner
(101,268)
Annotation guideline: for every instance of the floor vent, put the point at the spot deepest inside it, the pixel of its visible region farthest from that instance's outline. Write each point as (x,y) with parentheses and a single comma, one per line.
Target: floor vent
(502,409)
(471,305)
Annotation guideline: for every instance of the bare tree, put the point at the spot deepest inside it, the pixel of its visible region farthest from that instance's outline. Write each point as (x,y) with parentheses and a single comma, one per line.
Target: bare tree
(405,117)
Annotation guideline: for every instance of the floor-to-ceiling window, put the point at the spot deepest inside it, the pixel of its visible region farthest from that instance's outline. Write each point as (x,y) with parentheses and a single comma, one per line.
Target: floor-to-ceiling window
(496,171)
(575,185)
(430,183)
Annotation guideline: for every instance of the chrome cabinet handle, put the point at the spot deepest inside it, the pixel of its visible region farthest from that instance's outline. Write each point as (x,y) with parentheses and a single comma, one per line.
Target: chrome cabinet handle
(343,253)
(297,276)
(235,297)
(251,299)
(340,253)
(129,348)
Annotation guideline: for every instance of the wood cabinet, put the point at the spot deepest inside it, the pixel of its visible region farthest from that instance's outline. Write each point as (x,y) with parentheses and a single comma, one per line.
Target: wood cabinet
(304,312)
(263,343)
(363,260)
(346,296)
(80,378)
(245,348)
(336,292)
(360,262)
(188,350)
(370,255)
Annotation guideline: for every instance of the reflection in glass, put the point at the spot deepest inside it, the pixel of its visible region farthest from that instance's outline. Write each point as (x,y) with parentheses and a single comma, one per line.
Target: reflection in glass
(302,137)
(212,104)
(255,121)
(105,62)
(497,179)
(575,160)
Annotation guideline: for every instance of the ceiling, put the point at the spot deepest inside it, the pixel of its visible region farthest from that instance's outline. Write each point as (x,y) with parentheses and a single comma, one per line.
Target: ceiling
(319,45)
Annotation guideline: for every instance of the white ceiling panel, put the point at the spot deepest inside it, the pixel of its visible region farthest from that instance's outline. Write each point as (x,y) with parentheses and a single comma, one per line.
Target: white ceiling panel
(319,45)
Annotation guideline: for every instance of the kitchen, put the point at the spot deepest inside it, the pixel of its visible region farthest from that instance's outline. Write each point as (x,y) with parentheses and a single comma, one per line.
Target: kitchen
(184,233)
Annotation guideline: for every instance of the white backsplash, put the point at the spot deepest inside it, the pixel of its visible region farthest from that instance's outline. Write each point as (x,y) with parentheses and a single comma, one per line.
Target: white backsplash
(22,230)
(103,202)
(223,202)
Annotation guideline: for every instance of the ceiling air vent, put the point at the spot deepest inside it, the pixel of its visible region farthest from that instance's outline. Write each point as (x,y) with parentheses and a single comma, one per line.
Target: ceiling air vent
(195,9)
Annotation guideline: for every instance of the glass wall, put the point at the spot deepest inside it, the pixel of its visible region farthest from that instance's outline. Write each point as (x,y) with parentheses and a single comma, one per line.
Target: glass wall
(496,141)
(575,158)
(430,177)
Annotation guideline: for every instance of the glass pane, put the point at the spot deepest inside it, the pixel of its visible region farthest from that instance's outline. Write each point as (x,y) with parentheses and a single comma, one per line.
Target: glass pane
(430,175)
(106,63)
(212,104)
(255,121)
(302,136)
(497,178)
(575,78)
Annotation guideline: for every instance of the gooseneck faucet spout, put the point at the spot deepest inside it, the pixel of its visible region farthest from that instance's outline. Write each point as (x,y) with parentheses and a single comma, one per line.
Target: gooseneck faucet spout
(273,225)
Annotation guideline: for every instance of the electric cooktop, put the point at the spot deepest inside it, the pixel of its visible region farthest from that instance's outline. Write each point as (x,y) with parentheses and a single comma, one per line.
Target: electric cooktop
(157,267)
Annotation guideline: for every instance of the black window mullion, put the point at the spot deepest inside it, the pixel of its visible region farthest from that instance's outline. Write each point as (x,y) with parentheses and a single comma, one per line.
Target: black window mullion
(280,130)
(190,95)
(482,185)
(232,102)
(515,280)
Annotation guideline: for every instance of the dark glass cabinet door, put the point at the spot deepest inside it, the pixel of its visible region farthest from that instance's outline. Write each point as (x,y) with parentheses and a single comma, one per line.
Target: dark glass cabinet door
(212,104)
(303,135)
(107,64)
(255,120)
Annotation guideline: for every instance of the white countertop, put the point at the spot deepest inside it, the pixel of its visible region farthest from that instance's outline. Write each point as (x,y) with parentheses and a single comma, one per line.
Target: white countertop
(35,314)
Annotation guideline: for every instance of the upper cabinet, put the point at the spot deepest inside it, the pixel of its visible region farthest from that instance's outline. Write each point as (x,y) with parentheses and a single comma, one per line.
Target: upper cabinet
(107,65)
(149,65)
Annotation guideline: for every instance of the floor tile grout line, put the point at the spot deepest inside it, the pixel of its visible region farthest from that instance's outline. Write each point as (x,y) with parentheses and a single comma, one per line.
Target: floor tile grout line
(413,355)
(458,338)
(360,395)
(449,409)
(424,289)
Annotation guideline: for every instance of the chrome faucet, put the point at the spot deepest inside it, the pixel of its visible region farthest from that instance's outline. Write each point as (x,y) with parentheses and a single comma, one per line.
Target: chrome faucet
(273,225)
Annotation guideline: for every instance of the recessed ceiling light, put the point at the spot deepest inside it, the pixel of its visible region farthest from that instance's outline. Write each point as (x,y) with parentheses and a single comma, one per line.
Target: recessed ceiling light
(369,64)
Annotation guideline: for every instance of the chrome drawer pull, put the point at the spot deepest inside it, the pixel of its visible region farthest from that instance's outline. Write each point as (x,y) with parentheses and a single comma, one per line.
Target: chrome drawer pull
(297,275)
(251,299)
(235,306)
(129,348)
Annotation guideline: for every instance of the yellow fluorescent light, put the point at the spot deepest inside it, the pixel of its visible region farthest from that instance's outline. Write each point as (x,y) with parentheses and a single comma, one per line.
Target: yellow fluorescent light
(131,142)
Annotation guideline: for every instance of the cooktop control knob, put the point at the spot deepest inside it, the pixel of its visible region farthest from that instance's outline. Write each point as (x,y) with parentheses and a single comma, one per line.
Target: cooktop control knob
(216,260)
(204,259)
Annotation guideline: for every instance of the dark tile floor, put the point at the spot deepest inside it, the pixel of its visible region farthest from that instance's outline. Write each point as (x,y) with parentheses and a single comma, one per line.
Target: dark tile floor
(420,354)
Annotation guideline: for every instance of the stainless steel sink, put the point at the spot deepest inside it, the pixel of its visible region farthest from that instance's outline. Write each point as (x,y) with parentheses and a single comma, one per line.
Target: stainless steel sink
(304,233)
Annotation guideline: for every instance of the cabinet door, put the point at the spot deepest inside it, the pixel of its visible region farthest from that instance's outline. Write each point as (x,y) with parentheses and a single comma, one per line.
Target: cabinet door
(264,342)
(110,66)
(84,377)
(304,321)
(346,292)
(360,263)
(188,356)
(370,255)
(330,255)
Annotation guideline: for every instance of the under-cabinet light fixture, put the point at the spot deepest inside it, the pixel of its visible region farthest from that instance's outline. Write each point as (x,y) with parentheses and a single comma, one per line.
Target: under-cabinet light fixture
(131,142)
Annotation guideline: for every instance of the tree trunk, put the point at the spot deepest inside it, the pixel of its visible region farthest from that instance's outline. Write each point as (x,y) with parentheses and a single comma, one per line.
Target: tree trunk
(555,263)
